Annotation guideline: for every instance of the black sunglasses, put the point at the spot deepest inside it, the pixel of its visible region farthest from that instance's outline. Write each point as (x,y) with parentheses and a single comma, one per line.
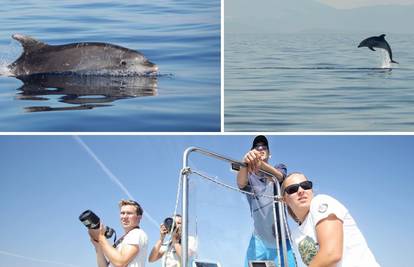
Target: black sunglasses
(293,188)
(260,147)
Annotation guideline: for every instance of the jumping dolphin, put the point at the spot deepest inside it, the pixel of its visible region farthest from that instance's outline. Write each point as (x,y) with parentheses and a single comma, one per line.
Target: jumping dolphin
(379,42)
(80,58)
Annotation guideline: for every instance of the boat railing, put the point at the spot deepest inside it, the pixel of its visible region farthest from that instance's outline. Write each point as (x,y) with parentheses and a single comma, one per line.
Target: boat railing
(235,165)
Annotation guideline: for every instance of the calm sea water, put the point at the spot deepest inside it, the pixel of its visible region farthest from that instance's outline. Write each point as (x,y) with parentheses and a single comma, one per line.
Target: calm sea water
(181,37)
(317,82)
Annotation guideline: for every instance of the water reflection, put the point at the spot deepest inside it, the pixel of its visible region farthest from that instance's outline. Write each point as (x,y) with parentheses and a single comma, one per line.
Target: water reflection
(81,91)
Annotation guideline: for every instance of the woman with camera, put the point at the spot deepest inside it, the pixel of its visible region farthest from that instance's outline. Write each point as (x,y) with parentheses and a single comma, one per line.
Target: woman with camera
(170,251)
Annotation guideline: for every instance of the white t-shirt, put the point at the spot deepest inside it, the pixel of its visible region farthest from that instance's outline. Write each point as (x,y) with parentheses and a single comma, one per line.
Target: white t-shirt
(170,257)
(355,249)
(139,238)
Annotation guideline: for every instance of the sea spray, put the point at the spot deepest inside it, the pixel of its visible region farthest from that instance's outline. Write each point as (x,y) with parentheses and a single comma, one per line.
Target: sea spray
(8,54)
(385,59)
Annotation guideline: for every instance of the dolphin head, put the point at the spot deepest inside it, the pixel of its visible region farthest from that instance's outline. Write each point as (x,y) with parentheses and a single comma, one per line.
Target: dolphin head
(135,62)
(363,43)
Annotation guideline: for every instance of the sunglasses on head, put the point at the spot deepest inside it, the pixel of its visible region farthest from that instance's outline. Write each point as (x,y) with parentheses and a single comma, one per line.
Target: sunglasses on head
(293,188)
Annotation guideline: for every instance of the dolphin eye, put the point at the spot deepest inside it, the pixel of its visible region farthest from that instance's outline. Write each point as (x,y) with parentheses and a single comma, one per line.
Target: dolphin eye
(123,62)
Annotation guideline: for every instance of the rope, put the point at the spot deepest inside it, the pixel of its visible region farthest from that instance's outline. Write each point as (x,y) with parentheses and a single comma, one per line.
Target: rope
(176,201)
(173,217)
(216,181)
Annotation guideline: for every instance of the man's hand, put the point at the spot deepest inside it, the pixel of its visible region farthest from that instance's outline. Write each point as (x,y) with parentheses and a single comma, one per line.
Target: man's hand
(94,234)
(102,229)
(254,160)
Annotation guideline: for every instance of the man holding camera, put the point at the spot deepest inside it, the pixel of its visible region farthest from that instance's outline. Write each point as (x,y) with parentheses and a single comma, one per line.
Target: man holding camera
(131,249)
(170,251)
(262,244)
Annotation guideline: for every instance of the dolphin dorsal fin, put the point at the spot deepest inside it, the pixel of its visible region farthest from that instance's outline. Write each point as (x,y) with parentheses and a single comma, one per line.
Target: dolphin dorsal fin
(29,44)
(382,36)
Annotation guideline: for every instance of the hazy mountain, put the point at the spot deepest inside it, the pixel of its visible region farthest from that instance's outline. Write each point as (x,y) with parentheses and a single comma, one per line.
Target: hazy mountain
(393,19)
(309,15)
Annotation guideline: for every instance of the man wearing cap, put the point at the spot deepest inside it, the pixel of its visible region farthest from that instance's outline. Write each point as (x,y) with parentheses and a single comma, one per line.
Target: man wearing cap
(262,245)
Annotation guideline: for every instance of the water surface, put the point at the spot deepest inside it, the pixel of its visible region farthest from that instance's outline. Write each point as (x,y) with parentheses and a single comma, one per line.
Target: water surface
(317,82)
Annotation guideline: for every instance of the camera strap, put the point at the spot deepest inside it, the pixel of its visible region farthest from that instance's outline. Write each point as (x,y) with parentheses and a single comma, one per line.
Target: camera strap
(114,237)
(122,237)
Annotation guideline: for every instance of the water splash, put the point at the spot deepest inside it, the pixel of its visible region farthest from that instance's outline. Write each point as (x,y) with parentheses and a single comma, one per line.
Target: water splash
(385,59)
(4,70)
(4,62)
(9,53)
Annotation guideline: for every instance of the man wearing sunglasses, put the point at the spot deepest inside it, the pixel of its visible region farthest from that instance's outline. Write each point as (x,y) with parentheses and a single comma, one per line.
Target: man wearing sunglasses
(327,235)
(262,245)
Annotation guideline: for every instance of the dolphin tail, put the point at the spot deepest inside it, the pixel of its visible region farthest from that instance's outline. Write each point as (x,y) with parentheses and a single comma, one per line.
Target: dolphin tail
(393,61)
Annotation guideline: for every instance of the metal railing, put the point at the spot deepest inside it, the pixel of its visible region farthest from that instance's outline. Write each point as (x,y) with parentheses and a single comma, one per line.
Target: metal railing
(236,165)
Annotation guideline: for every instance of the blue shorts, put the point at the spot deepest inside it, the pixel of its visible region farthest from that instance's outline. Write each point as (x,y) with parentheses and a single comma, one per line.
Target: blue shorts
(258,251)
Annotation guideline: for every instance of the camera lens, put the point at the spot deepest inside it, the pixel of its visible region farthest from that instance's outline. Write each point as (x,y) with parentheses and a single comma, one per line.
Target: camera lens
(90,219)
(168,222)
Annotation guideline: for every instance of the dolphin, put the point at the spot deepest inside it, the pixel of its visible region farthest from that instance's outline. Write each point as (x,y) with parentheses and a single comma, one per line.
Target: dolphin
(80,58)
(379,42)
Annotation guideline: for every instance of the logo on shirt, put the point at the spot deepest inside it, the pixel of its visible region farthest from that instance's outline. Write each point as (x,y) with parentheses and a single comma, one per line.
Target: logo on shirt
(308,249)
(323,207)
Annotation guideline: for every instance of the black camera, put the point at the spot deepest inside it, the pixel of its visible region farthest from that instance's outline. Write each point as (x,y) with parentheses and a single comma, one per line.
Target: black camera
(168,222)
(92,221)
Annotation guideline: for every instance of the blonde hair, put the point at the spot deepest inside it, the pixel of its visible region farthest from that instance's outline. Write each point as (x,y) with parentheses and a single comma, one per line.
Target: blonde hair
(124,202)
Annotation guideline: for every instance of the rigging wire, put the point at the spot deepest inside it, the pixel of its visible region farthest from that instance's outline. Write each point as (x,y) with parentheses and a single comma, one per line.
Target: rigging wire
(216,181)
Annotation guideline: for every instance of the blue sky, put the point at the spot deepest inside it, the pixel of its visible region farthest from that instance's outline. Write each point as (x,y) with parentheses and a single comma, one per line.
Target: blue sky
(47,181)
